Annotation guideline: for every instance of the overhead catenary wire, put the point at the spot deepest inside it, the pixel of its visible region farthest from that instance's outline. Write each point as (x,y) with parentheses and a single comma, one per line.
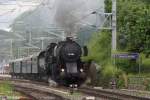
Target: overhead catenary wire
(43,4)
(21,6)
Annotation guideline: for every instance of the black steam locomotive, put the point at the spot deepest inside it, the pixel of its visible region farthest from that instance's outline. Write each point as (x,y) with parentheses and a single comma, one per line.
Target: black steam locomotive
(59,64)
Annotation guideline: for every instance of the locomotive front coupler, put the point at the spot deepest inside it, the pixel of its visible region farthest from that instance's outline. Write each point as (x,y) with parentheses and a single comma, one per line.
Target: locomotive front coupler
(73,87)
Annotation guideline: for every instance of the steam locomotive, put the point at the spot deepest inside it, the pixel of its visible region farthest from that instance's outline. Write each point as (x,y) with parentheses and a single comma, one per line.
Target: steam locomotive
(60,64)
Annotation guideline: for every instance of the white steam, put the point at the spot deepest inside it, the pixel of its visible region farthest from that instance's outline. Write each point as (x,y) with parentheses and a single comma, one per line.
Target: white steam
(71,15)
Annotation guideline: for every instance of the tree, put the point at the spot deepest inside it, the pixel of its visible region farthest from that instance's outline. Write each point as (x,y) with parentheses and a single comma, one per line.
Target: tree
(133,17)
(133,33)
(100,47)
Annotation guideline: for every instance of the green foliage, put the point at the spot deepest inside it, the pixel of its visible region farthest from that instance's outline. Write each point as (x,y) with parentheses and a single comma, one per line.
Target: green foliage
(146,62)
(100,48)
(127,65)
(146,1)
(133,34)
(106,74)
(133,19)
(122,81)
(108,6)
(145,65)
(110,71)
(5,88)
(100,51)
(146,83)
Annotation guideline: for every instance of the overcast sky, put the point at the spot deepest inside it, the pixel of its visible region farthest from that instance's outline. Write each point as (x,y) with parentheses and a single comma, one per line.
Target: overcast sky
(10,9)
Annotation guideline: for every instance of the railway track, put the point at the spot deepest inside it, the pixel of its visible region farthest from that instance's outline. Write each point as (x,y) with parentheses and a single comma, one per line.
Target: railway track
(43,88)
(35,94)
(35,90)
(109,95)
(62,92)
(38,91)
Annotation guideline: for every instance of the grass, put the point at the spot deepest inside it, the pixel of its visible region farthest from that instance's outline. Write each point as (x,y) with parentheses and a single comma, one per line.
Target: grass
(6,89)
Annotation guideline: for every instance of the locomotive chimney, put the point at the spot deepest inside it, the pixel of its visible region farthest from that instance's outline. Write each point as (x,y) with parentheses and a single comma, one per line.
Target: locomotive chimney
(69,38)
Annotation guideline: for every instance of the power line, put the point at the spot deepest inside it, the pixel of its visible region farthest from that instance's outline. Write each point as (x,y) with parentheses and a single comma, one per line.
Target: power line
(13,10)
(3,14)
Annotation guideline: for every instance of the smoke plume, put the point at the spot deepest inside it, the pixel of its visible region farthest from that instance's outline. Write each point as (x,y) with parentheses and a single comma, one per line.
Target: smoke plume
(69,14)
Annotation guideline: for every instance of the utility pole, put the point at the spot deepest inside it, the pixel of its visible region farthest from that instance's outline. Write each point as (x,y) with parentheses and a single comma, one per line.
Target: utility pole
(112,20)
(11,48)
(42,40)
(114,28)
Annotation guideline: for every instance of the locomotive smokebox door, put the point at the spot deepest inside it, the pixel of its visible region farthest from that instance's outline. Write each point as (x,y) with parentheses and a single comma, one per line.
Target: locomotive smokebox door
(71,67)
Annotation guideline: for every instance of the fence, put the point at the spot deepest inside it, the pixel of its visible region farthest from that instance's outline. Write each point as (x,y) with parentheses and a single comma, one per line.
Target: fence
(138,83)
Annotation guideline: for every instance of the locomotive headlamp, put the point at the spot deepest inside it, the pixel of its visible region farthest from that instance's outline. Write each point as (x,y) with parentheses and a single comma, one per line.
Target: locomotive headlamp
(62,70)
(75,85)
(81,70)
(71,85)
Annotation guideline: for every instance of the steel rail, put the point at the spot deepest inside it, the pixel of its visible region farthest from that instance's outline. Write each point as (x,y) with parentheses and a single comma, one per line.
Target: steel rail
(110,94)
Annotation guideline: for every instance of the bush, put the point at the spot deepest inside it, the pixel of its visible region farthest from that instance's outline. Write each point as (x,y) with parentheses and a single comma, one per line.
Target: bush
(122,81)
(100,47)
(145,67)
(106,74)
(110,71)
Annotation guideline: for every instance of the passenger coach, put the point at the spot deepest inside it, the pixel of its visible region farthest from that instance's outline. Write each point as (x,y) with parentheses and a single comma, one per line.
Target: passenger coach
(32,67)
